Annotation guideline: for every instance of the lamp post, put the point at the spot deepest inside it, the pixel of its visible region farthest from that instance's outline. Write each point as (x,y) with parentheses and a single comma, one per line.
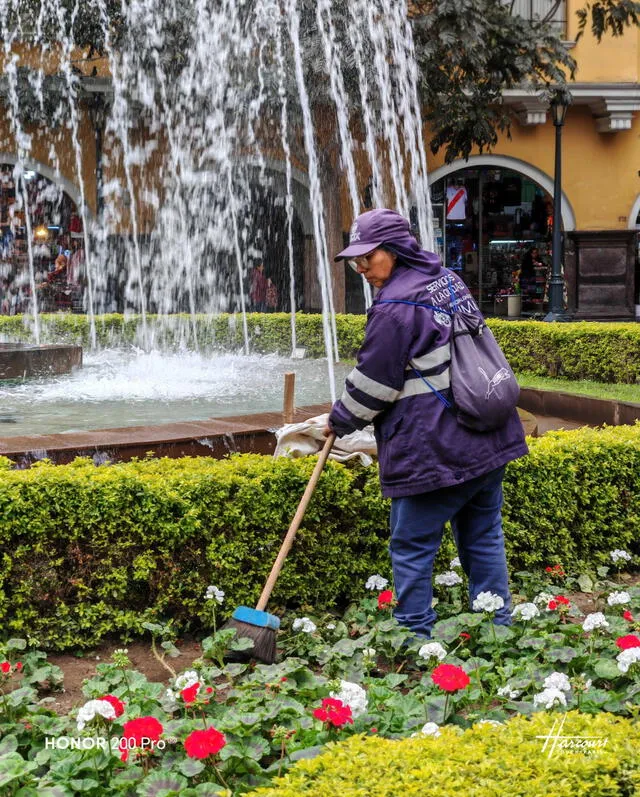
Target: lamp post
(98,115)
(559,103)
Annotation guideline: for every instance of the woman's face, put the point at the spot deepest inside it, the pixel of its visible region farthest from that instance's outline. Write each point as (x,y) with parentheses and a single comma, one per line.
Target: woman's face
(376,267)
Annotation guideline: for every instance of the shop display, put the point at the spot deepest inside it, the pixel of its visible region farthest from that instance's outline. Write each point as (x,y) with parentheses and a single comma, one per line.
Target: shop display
(56,230)
(493,228)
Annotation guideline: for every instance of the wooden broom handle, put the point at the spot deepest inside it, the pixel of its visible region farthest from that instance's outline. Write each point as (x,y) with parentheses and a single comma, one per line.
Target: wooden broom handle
(295,524)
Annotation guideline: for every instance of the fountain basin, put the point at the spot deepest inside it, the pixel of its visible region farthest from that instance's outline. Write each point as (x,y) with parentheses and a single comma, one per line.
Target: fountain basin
(24,360)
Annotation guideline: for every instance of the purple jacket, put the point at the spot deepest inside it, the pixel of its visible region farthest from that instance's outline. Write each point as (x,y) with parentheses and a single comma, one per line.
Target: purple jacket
(421,446)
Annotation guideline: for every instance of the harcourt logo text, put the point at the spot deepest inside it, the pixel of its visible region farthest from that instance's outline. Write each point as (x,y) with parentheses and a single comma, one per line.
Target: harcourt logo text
(555,742)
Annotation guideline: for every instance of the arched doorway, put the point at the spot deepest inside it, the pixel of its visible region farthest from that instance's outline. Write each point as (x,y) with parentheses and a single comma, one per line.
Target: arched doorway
(31,202)
(493,218)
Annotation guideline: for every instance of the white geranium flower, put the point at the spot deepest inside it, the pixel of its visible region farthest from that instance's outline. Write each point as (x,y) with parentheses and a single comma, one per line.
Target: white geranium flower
(543,599)
(495,723)
(448,579)
(352,695)
(304,624)
(507,691)
(525,611)
(432,650)
(369,653)
(92,709)
(549,698)
(430,729)
(376,582)
(488,602)
(214,594)
(618,555)
(187,679)
(331,626)
(594,620)
(618,598)
(627,658)
(557,680)
(455,562)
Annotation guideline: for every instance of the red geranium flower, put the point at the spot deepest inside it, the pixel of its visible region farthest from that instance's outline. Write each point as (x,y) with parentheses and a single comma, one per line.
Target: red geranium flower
(553,605)
(19,666)
(334,712)
(202,744)
(561,599)
(118,705)
(450,677)
(628,641)
(137,730)
(5,667)
(385,599)
(464,636)
(189,693)
(628,616)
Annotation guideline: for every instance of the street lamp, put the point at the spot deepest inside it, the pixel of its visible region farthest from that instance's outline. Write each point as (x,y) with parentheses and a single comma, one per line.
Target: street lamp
(559,103)
(97,108)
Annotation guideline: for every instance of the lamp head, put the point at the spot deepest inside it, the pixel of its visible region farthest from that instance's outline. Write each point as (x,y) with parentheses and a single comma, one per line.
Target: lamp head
(560,101)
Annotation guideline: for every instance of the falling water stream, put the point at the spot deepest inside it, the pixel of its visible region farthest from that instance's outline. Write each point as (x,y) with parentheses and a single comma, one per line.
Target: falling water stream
(214,110)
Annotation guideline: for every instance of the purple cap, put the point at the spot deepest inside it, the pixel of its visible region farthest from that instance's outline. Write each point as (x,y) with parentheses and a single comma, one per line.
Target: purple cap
(372,229)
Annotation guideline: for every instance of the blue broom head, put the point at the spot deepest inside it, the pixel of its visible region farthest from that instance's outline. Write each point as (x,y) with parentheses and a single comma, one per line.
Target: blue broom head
(244,614)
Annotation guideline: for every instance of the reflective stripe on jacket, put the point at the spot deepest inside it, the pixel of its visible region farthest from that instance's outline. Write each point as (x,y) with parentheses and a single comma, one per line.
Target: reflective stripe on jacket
(421,446)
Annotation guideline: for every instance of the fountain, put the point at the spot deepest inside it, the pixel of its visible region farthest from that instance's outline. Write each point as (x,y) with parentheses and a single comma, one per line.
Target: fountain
(163,151)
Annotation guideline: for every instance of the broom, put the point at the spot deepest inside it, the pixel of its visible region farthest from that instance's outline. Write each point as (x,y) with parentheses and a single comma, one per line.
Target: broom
(257,624)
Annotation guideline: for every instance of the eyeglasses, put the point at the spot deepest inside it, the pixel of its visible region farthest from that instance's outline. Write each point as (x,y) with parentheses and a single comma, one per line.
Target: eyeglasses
(356,262)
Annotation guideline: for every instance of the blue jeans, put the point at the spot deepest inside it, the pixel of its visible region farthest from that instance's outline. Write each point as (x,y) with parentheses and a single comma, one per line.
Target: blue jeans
(417,522)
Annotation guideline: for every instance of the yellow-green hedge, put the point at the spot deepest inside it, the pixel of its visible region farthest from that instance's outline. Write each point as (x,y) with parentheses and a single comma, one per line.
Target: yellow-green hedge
(86,551)
(484,761)
(585,350)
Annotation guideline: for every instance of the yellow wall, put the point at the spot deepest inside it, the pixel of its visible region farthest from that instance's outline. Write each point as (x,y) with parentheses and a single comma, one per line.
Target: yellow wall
(599,170)
(613,60)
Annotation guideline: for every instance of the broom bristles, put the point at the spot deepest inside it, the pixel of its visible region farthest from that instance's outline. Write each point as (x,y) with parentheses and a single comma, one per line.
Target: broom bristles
(264,641)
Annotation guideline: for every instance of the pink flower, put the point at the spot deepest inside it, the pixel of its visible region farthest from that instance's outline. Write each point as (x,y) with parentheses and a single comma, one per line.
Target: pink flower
(333,712)
(450,677)
(189,693)
(202,744)
(628,641)
(118,705)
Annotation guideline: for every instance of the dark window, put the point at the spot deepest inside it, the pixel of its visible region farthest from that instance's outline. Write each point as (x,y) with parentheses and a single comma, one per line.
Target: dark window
(552,11)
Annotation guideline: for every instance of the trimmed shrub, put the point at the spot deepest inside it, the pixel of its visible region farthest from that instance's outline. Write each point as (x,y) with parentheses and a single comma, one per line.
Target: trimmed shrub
(484,761)
(86,551)
(584,350)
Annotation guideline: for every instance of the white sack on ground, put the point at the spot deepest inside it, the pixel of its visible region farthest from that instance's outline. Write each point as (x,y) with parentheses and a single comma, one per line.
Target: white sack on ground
(302,439)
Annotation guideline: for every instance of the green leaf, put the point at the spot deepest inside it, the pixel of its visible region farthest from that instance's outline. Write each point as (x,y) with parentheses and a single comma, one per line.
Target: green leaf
(607,669)
(84,784)
(16,644)
(585,582)
(564,654)
(161,784)
(190,767)
(8,745)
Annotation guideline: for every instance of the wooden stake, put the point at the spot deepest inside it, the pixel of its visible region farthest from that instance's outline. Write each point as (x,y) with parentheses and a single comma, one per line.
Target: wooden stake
(289,391)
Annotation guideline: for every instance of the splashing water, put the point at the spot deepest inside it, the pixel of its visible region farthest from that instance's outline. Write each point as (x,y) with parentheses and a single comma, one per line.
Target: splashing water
(229,129)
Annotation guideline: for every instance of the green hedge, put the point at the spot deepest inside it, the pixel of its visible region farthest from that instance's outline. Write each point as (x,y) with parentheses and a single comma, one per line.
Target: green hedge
(484,761)
(584,350)
(86,551)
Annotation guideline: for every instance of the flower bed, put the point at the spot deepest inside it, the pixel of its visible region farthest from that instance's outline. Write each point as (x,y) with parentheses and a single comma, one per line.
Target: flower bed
(228,727)
(603,352)
(88,551)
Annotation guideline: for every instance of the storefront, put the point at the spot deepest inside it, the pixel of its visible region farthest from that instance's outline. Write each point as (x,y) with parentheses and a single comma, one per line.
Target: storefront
(493,225)
(32,205)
